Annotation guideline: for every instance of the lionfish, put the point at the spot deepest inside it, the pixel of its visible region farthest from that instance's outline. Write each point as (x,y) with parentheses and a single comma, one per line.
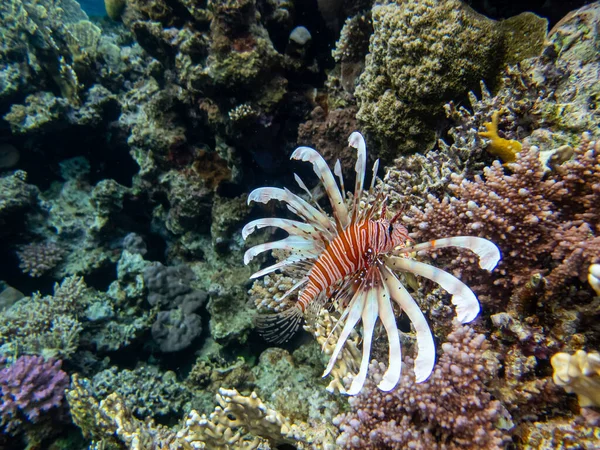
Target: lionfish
(352,257)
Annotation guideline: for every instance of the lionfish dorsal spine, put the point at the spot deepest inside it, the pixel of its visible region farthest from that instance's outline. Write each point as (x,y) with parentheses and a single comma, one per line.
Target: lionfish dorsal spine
(357,141)
(323,172)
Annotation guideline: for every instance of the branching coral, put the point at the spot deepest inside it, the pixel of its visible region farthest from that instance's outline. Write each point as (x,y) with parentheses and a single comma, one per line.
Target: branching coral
(452,410)
(30,388)
(515,211)
(36,259)
(45,325)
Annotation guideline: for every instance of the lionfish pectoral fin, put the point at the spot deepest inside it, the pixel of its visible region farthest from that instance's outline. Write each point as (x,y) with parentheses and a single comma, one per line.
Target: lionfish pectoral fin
(386,314)
(487,251)
(369,317)
(425,359)
(355,310)
(463,298)
(281,327)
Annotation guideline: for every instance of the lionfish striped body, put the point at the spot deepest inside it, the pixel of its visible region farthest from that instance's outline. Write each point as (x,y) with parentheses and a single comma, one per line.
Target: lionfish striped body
(352,259)
(353,251)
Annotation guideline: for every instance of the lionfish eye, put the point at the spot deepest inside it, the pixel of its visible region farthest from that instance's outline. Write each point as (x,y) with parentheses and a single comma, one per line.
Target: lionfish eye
(390,228)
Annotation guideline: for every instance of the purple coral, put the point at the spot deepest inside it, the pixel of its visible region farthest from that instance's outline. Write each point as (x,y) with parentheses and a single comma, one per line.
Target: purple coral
(30,387)
(451,410)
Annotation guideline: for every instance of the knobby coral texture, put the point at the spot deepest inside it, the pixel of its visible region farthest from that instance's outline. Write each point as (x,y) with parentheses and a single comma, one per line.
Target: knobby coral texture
(452,410)
(353,258)
(529,213)
(29,388)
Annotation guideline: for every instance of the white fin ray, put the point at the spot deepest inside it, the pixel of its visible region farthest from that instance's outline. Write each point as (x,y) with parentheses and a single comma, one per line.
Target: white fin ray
(293,288)
(357,141)
(293,227)
(369,317)
(487,251)
(355,310)
(467,305)
(374,179)
(425,359)
(295,204)
(324,174)
(295,244)
(337,170)
(292,259)
(386,314)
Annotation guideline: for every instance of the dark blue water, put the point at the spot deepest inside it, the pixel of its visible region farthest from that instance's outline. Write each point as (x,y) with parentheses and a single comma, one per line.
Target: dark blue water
(93,7)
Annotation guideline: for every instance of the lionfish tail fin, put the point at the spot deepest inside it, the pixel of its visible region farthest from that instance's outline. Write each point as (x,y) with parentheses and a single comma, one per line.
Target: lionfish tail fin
(280,327)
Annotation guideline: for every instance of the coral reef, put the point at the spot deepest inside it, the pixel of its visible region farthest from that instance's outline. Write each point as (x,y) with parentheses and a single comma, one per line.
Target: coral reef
(128,144)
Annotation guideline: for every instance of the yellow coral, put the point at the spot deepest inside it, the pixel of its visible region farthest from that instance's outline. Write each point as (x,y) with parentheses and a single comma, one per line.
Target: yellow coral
(579,373)
(505,149)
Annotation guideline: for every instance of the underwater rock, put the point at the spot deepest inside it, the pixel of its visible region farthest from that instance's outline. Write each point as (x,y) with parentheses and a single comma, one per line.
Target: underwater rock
(170,287)
(134,243)
(174,330)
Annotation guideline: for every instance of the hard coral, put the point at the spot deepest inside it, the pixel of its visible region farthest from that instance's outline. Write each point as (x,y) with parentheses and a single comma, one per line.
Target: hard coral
(38,258)
(515,211)
(421,52)
(451,410)
(30,388)
(579,373)
(45,325)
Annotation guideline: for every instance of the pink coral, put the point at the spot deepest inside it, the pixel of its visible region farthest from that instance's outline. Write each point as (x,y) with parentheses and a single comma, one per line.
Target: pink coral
(514,210)
(451,410)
